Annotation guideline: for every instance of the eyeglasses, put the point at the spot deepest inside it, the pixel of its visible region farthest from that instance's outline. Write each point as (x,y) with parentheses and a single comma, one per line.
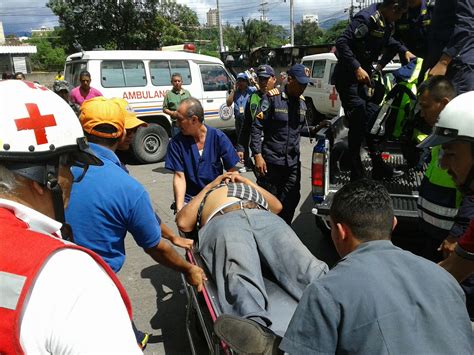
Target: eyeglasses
(78,170)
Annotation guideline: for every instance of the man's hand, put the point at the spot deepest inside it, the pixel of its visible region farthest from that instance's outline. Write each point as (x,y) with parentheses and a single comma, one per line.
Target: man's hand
(439,69)
(196,277)
(241,156)
(362,76)
(260,165)
(409,56)
(181,242)
(448,245)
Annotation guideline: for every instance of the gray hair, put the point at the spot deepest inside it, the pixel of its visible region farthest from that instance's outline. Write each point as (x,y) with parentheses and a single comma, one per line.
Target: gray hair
(194,108)
(176,75)
(9,182)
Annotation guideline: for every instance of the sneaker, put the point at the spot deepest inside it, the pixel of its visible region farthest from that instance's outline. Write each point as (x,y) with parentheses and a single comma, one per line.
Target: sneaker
(144,342)
(246,336)
(243,169)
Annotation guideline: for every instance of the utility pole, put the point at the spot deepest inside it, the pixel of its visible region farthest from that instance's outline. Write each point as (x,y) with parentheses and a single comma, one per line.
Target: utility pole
(292,24)
(263,10)
(221,37)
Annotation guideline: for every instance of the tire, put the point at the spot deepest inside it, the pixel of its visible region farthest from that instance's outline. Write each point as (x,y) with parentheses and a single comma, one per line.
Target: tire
(150,143)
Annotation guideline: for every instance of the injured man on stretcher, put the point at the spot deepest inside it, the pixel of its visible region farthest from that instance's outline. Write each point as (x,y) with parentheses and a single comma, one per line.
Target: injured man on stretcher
(238,233)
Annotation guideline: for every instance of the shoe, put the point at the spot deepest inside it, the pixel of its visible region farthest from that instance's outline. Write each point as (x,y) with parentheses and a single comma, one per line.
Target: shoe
(357,169)
(246,336)
(144,342)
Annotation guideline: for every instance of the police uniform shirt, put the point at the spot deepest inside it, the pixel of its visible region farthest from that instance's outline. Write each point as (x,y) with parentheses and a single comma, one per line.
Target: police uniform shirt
(362,42)
(279,120)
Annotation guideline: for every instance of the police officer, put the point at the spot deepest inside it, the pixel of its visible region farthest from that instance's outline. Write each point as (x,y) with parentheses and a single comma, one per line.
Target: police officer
(360,45)
(266,82)
(413,27)
(280,119)
(451,47)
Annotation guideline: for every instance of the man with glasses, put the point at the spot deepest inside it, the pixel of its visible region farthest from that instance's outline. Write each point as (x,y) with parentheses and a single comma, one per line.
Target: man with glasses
(108,202)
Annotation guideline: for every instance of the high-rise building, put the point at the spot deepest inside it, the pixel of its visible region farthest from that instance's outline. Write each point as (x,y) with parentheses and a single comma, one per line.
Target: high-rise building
(212,18)
(2,34)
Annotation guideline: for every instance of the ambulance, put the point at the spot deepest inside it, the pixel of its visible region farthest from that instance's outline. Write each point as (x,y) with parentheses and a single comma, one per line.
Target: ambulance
(143,78)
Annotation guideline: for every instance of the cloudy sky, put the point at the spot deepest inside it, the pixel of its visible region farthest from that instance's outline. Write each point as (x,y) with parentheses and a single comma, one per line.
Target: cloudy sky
(24,15)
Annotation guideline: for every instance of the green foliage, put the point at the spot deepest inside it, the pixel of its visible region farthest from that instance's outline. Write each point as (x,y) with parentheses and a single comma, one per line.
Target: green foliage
(50,54)
(335,31)
(307,33)
(260,33)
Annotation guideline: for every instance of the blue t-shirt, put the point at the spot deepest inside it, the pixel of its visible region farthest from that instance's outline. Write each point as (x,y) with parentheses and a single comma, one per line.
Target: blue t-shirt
(183,156)
(105,205)
(240,100)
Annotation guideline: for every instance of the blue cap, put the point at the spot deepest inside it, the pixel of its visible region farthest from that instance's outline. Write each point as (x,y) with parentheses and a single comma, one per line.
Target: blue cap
(242,76)
(300,73)
(265,71)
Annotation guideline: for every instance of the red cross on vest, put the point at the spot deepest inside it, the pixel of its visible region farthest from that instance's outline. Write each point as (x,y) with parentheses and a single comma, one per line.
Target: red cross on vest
(333,96)
(36,122)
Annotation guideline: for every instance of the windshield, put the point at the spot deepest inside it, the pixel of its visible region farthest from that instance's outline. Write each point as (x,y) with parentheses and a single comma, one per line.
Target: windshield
(72,71)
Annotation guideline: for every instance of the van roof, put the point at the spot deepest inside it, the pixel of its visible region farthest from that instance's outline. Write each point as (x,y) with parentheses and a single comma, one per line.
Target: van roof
(138,54)
(321,56)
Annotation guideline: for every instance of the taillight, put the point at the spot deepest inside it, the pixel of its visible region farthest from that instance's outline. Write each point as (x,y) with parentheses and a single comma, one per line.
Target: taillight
(317,171)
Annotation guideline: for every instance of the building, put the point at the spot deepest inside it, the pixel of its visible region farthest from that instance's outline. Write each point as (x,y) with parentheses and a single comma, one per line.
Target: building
(212,18)
(2,35)
(41,32)
(311,19)
(15,59)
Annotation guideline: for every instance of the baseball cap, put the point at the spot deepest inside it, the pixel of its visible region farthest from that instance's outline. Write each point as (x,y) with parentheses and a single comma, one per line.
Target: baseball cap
(131,119)
(60,85)
(300,73)
(102,117)
(241,76)
(265,71)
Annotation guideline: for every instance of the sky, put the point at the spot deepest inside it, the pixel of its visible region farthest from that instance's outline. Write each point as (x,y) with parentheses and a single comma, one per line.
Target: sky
(24,15)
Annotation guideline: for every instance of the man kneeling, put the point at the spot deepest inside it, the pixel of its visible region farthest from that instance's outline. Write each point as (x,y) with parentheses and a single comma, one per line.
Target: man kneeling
(239,230)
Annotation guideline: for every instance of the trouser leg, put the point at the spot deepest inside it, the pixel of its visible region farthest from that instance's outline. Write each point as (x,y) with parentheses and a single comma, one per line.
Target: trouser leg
(462,77)
(282,251)
(229,251)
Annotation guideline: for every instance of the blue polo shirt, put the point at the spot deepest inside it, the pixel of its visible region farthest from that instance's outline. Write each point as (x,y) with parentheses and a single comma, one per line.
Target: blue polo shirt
(183,156)
(240,100)
(105,205)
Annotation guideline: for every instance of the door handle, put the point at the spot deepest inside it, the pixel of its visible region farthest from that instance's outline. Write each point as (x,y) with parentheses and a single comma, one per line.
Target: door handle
(210,100)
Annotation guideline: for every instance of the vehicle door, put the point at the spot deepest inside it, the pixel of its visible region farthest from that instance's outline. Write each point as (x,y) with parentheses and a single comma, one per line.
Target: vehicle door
(331,100)
(317,91)
(72,70)
(215,85)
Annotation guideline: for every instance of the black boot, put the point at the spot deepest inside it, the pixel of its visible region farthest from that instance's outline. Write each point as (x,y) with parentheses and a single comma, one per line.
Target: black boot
(381,170)
(357,169)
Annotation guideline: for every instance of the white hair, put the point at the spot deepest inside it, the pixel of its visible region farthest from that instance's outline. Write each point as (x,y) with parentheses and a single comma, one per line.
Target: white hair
(9,182)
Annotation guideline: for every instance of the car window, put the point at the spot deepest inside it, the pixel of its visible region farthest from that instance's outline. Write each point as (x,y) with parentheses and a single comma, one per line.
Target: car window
(73,69)
(318,69)
(308,64)
(214,78)
(111,74)
(134,72)
(160,72)
(181,67)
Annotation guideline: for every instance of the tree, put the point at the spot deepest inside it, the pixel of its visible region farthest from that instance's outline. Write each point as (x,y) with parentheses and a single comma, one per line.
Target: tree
(261,33)
(334,32)
(307,33)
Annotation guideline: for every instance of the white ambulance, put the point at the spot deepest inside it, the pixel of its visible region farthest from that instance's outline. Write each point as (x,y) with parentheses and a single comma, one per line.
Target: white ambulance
(143,77)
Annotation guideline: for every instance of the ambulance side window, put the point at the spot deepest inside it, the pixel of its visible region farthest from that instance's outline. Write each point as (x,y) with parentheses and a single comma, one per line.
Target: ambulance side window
(318,69)
(160,73)
(122,73)
(181,67)
(214,78)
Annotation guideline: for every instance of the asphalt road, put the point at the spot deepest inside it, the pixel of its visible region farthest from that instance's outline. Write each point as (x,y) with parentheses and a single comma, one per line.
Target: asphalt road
(157,292)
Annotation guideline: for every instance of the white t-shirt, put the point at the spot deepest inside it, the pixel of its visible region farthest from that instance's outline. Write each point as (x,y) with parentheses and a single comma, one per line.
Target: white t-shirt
(75,308)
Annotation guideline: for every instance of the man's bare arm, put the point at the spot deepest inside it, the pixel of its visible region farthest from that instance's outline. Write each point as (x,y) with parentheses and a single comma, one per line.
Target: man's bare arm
(179,189)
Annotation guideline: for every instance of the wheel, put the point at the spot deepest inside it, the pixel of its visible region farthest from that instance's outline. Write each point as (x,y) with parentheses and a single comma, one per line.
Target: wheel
(150,143)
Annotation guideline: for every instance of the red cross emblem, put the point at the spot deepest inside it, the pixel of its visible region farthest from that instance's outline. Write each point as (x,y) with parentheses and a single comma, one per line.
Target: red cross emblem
(333,96)
(36,122)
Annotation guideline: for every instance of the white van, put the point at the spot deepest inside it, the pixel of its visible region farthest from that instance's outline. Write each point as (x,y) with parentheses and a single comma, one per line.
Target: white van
(143,77)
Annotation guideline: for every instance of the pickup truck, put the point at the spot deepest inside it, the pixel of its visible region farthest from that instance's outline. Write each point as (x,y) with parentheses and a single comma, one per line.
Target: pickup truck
(330,164)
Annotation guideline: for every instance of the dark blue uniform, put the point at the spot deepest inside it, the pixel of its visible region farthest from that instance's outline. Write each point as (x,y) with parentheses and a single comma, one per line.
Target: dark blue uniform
(452,34)
(279,121)
(360,45)
(413,28)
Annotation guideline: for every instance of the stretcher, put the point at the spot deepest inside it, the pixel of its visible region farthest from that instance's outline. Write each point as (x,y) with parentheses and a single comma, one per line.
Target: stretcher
(203,308)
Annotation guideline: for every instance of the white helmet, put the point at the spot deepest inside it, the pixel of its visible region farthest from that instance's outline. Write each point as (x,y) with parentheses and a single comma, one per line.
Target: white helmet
(38,132)
(456,122)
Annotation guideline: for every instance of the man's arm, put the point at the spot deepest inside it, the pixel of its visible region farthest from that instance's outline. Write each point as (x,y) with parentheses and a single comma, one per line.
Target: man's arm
(462,32)
(458,266)
(256,134)
(164,253)
(355,31)
(165,106)
(230,98)
(393,47)
(167,233)
(179,189)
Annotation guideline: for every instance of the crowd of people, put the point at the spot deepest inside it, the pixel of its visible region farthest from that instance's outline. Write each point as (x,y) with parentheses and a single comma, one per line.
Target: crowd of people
(63,223)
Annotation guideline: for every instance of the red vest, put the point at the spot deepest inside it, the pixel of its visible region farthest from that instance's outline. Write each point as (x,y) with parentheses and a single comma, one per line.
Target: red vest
(22,254)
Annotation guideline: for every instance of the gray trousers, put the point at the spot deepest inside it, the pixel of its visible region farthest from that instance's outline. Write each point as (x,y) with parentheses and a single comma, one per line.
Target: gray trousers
(234,244)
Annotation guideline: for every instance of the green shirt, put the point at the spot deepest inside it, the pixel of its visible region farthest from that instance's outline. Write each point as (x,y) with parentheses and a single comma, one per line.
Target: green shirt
(173,99)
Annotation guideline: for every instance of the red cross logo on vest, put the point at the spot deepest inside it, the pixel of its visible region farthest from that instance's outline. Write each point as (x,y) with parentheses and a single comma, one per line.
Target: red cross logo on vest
(333,96)
(36,122)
